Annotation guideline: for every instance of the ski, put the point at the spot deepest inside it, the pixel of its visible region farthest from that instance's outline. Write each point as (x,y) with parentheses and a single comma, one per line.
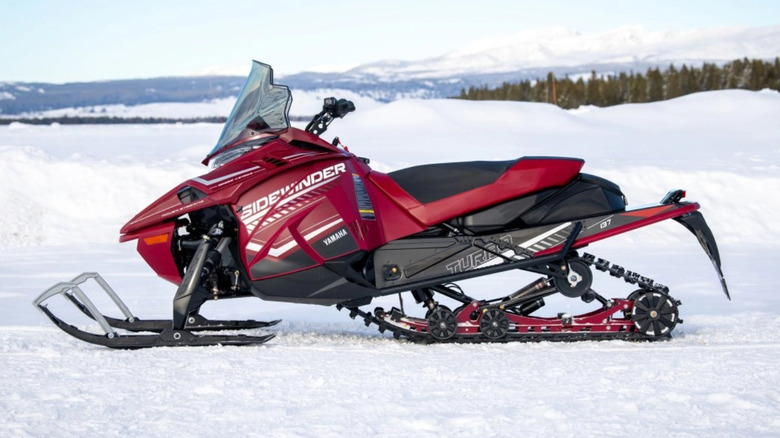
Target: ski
(194,322)
(167,338)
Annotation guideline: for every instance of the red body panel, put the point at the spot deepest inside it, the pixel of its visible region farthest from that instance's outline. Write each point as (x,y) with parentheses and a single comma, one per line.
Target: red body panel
(648,216)
(157,252)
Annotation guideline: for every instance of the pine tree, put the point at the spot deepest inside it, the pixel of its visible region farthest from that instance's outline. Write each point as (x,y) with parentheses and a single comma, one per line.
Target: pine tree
(672,86)
(631,87)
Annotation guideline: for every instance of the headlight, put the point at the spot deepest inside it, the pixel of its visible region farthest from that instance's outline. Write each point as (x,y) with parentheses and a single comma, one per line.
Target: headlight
(229,156)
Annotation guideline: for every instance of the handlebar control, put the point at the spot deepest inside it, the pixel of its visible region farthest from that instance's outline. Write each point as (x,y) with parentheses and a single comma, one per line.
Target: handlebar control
(331,108)
(338,108)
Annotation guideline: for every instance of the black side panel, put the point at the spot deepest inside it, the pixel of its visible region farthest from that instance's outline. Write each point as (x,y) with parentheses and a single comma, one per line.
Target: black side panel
(587,196)
(296,260)
(502,216)
(432,182)
(336,243)
(410,261)
(317,285)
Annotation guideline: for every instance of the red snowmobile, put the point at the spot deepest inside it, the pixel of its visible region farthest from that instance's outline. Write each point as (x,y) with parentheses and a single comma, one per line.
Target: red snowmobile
(285,215)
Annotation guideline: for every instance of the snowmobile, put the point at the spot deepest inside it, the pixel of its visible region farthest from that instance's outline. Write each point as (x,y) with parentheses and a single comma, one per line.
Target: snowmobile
(285,215)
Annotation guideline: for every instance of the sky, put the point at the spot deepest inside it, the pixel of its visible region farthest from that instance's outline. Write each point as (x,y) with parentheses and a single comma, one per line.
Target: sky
(73,41)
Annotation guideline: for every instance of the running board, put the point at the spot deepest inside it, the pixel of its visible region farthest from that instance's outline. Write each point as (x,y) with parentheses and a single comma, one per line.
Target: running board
(695,223)
(166,336)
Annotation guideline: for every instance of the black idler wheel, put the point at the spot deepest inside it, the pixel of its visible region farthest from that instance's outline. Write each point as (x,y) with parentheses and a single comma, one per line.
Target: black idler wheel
(494,324)
(441,323)
(655,314)
(565,288)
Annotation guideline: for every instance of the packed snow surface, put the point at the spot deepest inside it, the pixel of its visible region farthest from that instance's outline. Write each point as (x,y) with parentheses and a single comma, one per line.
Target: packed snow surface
(66,190)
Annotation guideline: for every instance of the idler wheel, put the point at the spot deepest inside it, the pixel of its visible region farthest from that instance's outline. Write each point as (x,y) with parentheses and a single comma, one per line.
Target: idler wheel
(655,314)
(441,323)
(580,275)
(494,324)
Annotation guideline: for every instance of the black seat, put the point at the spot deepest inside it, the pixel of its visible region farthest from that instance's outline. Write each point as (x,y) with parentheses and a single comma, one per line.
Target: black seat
(432,182)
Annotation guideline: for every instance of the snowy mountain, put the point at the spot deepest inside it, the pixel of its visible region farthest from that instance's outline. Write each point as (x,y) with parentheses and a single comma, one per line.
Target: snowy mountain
(532,54)
(492,60)
(559,48)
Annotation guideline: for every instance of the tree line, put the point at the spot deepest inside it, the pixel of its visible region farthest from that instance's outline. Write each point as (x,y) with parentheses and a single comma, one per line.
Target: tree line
(654,85)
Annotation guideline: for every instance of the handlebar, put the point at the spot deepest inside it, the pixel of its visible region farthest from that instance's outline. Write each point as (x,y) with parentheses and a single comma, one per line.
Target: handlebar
(331,108)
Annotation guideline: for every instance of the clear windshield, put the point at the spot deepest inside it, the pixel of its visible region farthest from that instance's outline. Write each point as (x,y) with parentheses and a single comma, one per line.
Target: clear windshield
(261,107)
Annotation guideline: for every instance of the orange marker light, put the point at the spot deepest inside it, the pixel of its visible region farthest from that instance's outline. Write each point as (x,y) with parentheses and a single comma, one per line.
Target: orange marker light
(154,240)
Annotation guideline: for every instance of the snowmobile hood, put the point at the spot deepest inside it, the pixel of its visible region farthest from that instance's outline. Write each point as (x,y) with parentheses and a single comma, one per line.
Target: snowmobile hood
(261,107)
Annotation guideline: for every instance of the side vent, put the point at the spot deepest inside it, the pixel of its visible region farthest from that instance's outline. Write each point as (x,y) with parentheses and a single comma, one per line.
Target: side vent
(274,162)
(308,146)
(189,194)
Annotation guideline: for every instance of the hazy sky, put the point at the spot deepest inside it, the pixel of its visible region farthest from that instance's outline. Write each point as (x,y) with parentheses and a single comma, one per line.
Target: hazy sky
(66,41)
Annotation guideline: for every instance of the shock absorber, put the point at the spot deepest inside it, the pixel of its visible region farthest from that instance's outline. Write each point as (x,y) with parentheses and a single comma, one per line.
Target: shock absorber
(211,270)
(534,290)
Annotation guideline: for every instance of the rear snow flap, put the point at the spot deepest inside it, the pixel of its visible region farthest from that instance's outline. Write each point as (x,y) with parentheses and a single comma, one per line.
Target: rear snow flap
(696,224)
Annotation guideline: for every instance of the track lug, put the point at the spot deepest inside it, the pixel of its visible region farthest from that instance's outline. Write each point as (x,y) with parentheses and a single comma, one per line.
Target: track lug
(602,265)
(396,314)
(588,258)
(617,271)
(631,277)
(645,283)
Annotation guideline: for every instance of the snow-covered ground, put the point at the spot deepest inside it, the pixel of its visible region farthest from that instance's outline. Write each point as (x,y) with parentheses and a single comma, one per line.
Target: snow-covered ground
(66,190)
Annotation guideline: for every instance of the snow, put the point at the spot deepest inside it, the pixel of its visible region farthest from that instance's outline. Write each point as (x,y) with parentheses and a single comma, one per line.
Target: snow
(66,190)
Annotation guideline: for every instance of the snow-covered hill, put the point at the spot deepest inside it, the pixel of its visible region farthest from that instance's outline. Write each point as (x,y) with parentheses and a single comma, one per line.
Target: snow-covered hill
(66,190)
(491,60)
(533,53)
(553,48)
